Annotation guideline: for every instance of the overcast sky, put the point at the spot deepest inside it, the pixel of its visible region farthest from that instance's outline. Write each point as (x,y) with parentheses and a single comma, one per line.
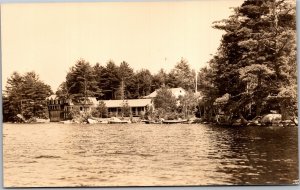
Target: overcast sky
(49,38)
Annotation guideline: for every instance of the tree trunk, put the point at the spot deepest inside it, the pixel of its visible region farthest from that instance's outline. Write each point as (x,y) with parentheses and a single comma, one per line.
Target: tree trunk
(284,110)
(259,101)
(243,120)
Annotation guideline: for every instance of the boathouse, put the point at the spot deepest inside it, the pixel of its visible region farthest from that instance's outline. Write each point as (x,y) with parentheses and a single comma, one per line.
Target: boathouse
(56,108)
(60,109)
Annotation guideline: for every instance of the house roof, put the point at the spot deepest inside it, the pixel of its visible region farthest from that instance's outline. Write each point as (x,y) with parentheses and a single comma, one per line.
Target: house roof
(90,100)
(175,91)
(53,97)
(222,100)
(131,103)
(93,100)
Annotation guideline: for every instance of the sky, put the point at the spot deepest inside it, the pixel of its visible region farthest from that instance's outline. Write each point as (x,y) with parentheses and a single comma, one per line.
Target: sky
(49,38)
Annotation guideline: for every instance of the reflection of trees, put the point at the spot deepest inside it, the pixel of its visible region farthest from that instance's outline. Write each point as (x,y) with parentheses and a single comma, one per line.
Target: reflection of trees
(262,155)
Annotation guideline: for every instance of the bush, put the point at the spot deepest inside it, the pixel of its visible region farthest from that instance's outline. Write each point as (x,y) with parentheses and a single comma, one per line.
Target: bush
(100,111)
(75,112)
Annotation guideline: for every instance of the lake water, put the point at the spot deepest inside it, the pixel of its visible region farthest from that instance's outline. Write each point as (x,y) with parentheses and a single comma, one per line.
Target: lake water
(58,155)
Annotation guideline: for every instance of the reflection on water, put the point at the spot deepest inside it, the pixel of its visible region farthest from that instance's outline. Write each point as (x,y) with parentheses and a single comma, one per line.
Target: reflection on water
(52,155)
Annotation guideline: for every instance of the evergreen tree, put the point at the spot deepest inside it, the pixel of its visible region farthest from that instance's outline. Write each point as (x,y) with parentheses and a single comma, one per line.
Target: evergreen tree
(182,76)
(62,91)
(81,81)
(98,72)
(159,79)
(126,88)
(143,83)
(110,81)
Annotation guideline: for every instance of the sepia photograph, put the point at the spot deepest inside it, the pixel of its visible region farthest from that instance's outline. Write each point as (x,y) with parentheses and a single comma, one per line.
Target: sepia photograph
(153,93)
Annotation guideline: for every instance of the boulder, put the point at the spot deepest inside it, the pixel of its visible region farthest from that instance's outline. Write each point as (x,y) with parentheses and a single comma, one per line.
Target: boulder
(271,118)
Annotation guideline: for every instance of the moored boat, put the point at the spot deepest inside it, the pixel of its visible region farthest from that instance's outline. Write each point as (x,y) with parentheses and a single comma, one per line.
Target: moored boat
(175,121)
(115,120)
(151,122)
(92,121)
(118,122)
(67,122)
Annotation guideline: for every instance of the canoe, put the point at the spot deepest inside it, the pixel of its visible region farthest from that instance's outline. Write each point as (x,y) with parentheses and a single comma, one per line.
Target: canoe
(151,122)
(118,122)
(174,121)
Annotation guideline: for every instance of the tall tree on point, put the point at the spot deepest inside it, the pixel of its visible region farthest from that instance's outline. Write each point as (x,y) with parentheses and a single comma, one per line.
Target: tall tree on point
(26,95)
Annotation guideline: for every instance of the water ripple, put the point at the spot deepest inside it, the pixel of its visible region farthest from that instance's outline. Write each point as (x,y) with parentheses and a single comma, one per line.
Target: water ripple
(55,155)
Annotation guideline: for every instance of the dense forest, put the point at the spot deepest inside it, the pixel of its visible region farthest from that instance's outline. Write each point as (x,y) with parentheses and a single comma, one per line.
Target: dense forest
(253,72)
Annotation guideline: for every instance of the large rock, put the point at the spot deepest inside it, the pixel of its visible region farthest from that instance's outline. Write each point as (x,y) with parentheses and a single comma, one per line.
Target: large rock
(271,118)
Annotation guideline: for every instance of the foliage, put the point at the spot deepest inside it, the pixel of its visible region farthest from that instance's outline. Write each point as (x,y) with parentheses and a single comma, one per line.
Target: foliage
(165,100)
(81,82)
(142,83)
(125,109)
(256,58)
(159,113)
(26,95)
(81,117)
(100,111)
(159,79)
(74,113)
(110,80)
(188,104)
(149,113)
(182,76)
(62,91)
(126,75)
